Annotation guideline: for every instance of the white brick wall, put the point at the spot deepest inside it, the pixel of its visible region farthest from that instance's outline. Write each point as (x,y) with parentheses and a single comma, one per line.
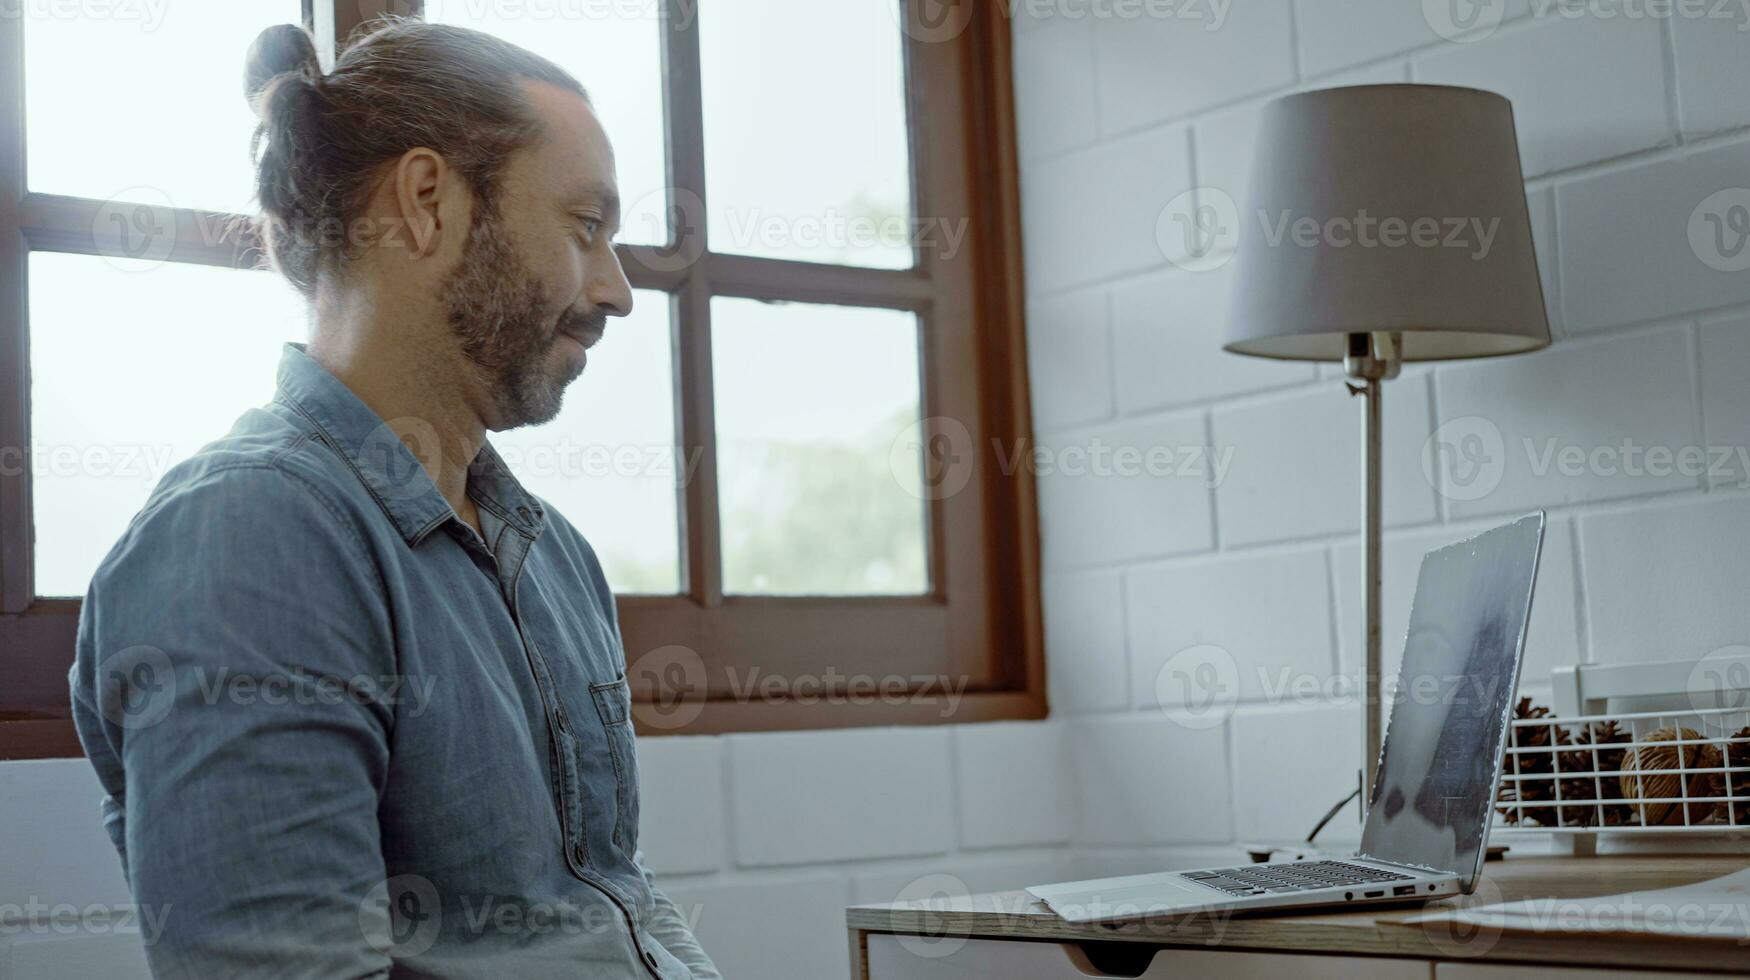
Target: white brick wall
(1626,125)
(1583,90)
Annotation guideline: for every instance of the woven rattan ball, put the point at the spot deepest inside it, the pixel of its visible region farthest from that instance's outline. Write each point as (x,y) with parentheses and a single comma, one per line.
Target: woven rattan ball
(1644,776)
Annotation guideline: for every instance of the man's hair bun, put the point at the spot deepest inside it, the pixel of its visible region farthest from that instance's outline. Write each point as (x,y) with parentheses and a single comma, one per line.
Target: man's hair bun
(279,50)
(323,139)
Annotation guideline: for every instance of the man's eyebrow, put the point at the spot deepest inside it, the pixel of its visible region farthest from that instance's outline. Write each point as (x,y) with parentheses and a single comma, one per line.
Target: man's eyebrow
(600,192)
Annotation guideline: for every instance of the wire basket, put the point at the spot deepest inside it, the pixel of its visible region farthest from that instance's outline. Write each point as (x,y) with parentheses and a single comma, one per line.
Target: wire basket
(1644,772)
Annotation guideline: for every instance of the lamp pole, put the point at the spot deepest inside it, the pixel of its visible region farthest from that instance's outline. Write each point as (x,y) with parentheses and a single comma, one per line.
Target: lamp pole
(1371,359)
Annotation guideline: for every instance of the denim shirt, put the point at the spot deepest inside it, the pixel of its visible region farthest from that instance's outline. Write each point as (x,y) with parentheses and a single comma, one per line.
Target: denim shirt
(342,735)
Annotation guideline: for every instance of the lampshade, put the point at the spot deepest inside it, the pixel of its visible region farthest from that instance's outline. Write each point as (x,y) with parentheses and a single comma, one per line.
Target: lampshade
(1386,208)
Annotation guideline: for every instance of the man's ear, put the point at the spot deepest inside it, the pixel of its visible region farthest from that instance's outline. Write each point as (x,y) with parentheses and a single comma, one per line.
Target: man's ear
(420,180)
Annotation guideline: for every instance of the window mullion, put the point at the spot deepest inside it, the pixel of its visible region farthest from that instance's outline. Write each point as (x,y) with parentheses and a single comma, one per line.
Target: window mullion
(15,521)
(695,415)
(332,21)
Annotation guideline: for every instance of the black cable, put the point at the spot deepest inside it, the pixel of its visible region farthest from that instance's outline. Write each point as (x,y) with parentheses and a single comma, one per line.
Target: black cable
(1334,810)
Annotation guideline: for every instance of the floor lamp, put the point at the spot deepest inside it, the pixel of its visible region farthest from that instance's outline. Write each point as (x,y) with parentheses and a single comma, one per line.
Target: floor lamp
(1391,227)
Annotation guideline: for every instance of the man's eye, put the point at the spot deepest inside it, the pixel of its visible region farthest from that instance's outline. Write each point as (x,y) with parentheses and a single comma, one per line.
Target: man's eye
(591,226)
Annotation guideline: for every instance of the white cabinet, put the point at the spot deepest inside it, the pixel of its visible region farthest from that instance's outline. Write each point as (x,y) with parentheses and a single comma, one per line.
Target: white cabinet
(907,958)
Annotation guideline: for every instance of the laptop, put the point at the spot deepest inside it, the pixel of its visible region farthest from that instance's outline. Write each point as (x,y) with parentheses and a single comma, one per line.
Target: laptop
(1439,765)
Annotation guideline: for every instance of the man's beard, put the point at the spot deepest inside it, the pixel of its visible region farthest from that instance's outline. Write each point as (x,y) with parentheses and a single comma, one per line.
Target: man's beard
(497,307)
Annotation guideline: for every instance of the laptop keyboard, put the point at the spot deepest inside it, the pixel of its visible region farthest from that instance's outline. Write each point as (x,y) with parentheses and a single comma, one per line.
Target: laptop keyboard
(1298,876)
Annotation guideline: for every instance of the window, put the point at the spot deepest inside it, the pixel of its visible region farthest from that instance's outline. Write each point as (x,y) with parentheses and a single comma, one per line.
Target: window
(789,456)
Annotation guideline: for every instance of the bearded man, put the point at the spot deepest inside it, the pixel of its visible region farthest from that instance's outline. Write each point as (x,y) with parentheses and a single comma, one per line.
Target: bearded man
(357,699)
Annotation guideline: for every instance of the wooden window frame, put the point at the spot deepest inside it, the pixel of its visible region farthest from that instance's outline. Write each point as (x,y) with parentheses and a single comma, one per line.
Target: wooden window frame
(980,623)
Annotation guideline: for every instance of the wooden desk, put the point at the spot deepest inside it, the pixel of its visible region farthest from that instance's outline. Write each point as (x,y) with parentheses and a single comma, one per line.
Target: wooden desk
(1011,935)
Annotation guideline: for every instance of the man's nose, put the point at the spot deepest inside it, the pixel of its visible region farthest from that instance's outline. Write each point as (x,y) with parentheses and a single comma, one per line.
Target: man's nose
(609,291)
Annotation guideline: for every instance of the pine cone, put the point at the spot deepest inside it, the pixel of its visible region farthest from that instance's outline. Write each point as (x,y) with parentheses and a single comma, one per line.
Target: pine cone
(1737,779)
(1644,776)
(1588,758)
(1529,791)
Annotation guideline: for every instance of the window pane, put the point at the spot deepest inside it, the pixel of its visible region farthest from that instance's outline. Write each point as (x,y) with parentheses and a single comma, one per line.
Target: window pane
(608,463)
(143,101)
(806,147)
(134,366)
(813,403)
(615,50)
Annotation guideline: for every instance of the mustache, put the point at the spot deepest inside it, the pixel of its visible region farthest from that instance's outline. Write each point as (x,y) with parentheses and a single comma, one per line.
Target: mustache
(581,324)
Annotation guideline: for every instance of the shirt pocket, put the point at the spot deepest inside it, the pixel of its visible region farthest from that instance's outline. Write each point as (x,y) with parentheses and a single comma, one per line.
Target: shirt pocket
(613,703)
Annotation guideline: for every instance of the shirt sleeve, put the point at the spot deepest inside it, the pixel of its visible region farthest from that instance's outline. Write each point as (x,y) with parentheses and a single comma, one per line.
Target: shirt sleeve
(669,926)
(227,686)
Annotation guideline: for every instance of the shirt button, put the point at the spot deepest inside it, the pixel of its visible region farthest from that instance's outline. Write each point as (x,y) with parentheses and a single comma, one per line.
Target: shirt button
(564,722)
(578,851)
(522,511)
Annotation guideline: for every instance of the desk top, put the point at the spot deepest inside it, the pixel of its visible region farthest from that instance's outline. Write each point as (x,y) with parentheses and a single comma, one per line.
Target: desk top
(1376,932)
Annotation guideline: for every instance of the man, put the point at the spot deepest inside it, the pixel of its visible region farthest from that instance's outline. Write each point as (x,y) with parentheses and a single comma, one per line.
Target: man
(357,698)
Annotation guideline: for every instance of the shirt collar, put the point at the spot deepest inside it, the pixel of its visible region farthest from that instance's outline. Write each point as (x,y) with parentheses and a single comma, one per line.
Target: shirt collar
(387,468)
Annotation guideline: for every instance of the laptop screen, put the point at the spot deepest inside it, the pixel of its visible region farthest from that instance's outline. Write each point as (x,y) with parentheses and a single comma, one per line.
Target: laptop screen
(1435,787)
